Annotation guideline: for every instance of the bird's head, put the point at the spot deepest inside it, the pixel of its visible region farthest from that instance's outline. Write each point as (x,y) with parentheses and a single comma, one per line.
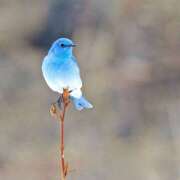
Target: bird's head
(62,47)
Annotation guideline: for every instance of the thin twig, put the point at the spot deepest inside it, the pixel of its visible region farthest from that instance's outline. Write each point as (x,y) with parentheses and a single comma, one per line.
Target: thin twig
(65,102)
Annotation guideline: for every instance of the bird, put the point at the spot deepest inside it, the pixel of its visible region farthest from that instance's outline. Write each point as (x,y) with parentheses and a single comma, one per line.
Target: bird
(61,71)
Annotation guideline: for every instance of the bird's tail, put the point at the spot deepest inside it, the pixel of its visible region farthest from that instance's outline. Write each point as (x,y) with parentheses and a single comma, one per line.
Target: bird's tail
(81,103)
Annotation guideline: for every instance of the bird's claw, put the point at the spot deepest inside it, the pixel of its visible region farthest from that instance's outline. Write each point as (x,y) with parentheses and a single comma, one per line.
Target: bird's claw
(60,102)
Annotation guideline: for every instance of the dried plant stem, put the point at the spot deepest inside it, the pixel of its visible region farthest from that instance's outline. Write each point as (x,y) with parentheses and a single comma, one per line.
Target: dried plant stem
(63,167)
(61,116)
(62,146)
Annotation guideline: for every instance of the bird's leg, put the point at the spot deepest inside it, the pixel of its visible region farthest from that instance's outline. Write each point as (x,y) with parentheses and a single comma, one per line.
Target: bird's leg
(60,102)
(64,99)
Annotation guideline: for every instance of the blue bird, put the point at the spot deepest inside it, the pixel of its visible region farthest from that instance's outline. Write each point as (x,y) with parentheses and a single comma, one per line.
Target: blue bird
(61,71)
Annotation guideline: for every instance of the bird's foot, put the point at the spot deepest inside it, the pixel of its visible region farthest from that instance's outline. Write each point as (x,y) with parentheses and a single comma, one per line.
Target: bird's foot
(60,102)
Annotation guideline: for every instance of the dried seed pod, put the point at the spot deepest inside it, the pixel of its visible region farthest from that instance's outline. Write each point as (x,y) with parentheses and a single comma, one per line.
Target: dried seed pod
(53,110)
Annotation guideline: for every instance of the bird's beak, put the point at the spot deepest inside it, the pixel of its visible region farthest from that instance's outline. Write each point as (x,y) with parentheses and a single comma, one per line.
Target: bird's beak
(73,45)
(70,45)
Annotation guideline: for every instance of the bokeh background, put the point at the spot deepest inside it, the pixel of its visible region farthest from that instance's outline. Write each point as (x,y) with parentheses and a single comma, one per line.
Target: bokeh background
(129,54)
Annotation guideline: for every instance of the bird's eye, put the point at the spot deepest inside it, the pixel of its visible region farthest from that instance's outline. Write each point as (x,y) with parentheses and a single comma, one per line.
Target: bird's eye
(62,45)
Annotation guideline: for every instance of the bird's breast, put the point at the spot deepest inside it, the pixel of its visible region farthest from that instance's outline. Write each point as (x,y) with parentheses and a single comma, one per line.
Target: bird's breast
(61,74)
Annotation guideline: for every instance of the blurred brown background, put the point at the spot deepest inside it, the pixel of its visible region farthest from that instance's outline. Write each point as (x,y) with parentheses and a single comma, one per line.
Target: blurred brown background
(129,54)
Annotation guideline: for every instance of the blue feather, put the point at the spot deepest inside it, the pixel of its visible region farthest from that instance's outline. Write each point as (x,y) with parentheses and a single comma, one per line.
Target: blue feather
(81,103)
(60,70)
